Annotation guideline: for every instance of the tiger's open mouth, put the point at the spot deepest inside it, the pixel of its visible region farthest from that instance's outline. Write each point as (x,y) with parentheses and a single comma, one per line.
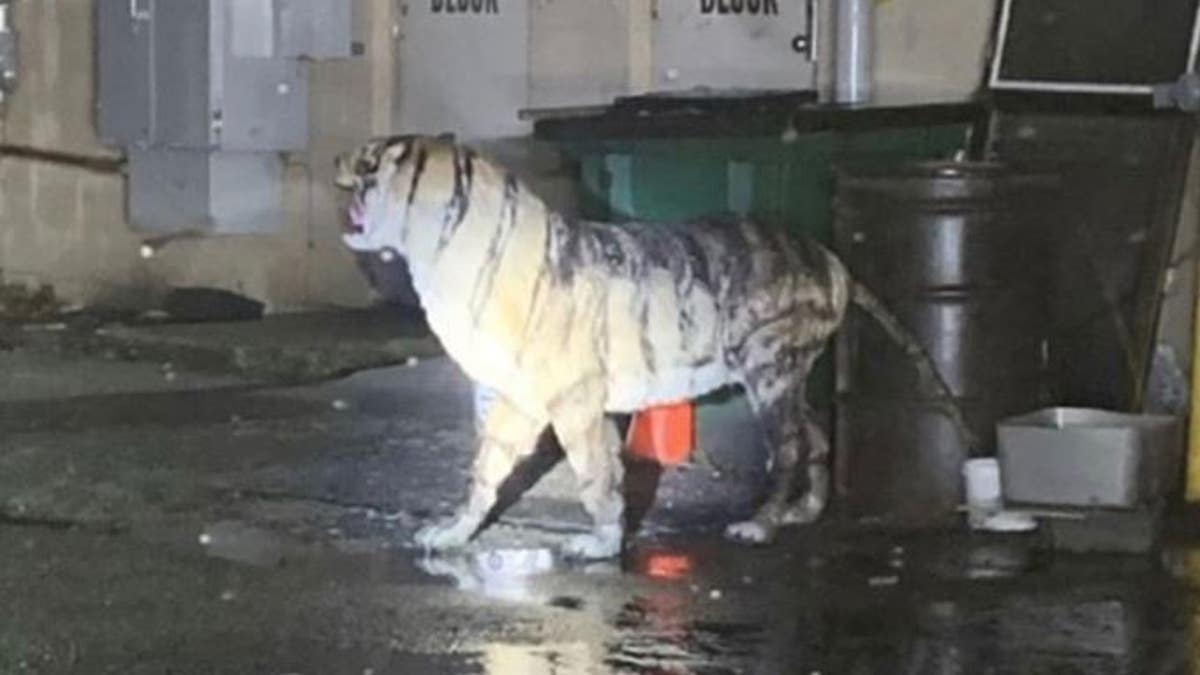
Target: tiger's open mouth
(356,216)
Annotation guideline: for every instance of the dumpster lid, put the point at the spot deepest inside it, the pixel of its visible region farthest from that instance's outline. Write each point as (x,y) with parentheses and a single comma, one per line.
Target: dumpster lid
(698,101)
(1118,47)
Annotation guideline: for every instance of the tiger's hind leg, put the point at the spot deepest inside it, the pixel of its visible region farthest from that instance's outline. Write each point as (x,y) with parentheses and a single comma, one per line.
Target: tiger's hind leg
(775,387)
(593,450)
(809,506)
(508,436)
(776,411)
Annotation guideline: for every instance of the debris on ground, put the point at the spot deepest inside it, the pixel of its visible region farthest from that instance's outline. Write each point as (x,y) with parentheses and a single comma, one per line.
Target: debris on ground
(19,302)
(210,304)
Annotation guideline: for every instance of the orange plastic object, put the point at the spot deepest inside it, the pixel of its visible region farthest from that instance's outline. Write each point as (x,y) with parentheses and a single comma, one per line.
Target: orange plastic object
(665,434)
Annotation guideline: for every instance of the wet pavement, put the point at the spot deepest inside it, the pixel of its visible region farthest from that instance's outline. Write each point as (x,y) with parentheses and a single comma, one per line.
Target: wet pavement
(230,528)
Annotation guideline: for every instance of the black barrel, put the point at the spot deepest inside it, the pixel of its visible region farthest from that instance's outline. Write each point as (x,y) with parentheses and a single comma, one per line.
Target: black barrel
(961,253)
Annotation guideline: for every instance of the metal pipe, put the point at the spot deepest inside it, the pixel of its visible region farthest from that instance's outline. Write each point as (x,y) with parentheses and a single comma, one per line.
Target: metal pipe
(96,163)
(854,42)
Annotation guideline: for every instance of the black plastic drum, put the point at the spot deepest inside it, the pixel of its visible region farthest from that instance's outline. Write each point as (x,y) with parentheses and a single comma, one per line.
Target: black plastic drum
(962,254)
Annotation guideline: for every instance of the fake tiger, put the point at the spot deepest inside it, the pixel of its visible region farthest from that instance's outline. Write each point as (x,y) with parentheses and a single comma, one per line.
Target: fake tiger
(568,320)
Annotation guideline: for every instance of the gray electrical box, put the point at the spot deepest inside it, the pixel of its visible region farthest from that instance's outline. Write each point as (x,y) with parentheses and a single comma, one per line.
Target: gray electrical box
(169,75)
(311,29)
(205,94)
(219,192)
(123,56)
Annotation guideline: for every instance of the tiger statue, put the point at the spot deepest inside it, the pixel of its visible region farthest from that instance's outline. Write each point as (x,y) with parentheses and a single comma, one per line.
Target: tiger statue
(567,320)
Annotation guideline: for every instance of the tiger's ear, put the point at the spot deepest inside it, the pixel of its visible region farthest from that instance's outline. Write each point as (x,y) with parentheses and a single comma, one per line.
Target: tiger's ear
(352,166)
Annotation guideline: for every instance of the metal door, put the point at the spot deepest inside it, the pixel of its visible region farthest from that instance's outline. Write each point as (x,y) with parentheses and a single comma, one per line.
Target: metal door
(734,44)
(464,67)
(123,67)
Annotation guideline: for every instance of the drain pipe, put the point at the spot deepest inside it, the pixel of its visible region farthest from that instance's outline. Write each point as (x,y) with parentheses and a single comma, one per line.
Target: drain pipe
(8,52)
(854,41)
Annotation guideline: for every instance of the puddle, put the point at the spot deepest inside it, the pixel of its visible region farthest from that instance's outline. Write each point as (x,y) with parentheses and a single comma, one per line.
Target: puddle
(503,574)
(563,658)
(663,565)
(239,542)
(660,633)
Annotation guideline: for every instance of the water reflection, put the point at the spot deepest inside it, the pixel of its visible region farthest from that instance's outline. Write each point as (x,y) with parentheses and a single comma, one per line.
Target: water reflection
(663,633)
(663,565)
(240,542)
(976,606)
(504,574)
(566,658)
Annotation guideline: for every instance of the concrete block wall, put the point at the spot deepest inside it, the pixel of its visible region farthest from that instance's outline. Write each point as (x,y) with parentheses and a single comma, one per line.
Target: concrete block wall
(60,224)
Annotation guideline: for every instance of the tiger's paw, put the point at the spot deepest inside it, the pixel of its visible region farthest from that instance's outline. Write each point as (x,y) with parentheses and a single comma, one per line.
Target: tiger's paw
(805,511)
(750,532)
(445,535)
(603,542)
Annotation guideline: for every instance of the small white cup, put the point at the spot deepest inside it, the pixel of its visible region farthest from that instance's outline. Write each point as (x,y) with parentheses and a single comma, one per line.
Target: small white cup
(982,477)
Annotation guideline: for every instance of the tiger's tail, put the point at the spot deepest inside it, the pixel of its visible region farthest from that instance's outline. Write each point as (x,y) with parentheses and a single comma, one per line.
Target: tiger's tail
(869,303)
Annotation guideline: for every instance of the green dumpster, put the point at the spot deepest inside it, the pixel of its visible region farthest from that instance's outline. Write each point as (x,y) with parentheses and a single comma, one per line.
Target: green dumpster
(776,165)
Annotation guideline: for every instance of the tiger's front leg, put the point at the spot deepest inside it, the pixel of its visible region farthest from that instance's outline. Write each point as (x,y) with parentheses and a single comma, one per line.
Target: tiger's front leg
(508,436)
(593,450)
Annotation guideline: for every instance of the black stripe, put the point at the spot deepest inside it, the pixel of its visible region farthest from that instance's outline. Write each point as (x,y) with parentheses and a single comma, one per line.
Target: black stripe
(697,259)
(533,308)
(569,248)
(644,334)
(460,200)
(368,160)
(404,154)
(686,324)
(543,276)
(418,169)
(505,224)
(608,245)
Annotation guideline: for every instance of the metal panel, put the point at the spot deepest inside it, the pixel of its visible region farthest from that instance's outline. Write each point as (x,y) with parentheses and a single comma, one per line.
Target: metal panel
(168,190)
(181,91)
(464,67)
(732,44)
(246,193)
(263,104)
(172,190)
(207,97)
(579,52)
(257,103)
(123,110)
(315,29)
(251,28)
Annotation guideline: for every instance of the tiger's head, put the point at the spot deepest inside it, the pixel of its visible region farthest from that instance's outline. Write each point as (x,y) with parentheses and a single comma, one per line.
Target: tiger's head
(387,178)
